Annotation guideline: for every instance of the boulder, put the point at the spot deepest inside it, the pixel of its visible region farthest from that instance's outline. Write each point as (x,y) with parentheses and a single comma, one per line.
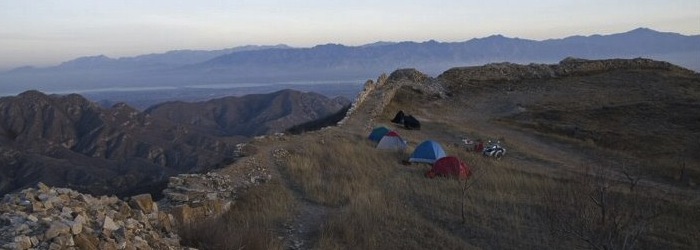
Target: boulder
(57,228)
(143,202)
(23,242)
(109,224)
(86,242)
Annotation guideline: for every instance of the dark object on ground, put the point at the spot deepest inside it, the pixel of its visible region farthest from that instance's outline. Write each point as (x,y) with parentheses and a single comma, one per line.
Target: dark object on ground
(494,150)
(411,122)
(398,118)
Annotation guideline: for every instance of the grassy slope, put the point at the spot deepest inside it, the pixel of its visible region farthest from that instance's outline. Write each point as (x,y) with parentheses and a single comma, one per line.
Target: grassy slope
(352,196)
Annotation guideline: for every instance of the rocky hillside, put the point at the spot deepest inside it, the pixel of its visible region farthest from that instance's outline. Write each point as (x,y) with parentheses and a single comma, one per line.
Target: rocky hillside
(252,115)
(68,141)
(577,133)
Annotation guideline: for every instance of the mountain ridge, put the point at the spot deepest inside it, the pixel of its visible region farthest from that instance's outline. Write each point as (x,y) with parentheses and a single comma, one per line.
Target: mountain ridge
(69,141)
(332,62)
(262,113)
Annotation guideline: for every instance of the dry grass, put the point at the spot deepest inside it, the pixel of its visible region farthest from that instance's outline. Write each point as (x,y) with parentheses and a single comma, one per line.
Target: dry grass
(360,183)
(334,173)
(537,197)
(374,202)
(253,222)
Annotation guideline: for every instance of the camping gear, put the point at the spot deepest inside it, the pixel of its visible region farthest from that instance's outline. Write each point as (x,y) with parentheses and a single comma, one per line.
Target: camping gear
(398,118)
(377,133)
(479,146)
(427,152)
(494,150)
(410,122)
(392,141)
(449,166)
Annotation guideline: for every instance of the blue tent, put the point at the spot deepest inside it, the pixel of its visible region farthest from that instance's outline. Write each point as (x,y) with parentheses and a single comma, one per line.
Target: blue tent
(378,133)
(427,152)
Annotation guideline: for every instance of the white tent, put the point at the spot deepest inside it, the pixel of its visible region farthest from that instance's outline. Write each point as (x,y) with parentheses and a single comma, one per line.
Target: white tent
(392,141)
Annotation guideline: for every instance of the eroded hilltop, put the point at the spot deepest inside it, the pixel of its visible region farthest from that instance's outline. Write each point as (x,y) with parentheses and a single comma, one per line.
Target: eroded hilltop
(566,68)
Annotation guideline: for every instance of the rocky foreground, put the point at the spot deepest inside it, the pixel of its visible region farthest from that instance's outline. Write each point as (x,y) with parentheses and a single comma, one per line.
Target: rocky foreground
(61,218)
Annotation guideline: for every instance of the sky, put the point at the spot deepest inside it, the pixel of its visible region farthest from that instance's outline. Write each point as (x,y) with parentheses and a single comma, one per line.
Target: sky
(46,32)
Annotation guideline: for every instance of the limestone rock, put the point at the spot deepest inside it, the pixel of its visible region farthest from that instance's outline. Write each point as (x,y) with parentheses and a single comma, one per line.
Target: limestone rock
(80,221)
(75,227)
(143,202)
(57,228)
(109,224)
(23,242)
(87,242)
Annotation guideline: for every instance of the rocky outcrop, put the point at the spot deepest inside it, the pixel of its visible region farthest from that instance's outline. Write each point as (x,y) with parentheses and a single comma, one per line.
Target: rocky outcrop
(197,196)
(411,75)
(191,197)
(362,95)
(374,97)
(59,218)
(567,67)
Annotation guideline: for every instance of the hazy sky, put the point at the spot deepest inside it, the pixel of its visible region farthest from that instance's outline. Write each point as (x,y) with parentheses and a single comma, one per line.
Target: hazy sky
(47,32)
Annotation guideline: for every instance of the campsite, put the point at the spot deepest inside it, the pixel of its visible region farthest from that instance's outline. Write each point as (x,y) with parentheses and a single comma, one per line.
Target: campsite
(304,125)
(340,191)
(429,152)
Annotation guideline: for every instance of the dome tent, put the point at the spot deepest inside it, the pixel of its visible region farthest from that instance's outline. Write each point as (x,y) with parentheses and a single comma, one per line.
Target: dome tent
(392,141)
(449,166)
(427,152)
(377,133)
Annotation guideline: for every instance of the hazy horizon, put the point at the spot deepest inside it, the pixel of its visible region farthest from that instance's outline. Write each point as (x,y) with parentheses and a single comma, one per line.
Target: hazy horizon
(45,33)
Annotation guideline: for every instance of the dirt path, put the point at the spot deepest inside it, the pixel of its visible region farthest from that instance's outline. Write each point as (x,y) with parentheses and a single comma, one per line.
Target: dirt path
(303,231)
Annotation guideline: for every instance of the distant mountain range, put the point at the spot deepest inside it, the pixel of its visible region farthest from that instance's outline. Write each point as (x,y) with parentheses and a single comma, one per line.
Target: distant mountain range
(332,62)
(68,141)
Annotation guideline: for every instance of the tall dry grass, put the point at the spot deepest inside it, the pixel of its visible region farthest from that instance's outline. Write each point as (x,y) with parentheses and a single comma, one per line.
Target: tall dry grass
(372,201)
(336,172)
(253,222)
(356,180)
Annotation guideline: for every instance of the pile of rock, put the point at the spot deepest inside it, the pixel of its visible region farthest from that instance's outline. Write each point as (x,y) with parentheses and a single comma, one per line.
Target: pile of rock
(197,188)
(61,218)
(194,196)
(191,197)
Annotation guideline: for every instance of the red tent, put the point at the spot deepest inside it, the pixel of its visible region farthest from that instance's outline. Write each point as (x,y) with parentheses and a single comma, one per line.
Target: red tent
(449,166)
